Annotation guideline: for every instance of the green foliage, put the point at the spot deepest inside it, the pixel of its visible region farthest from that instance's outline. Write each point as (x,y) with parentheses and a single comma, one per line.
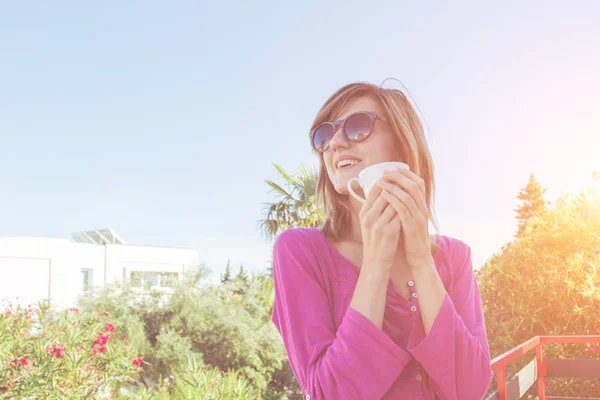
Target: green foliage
(226,277)
(197,382)
(65,356)
(225,329)
(242,275)
(172,353)
(532,203)
(547,282)
(296,206)
(228,329)
(61,357)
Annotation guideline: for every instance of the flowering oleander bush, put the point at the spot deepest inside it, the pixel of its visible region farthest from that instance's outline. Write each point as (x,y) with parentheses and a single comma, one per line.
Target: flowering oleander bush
(77,355)
(69,355)
(197,342)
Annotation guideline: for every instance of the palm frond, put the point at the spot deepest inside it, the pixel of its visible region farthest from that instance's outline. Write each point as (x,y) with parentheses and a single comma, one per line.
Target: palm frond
(275,187)
(296,206)
(286,176)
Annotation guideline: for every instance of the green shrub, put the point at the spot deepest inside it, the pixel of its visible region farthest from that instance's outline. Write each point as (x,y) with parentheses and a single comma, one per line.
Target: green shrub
(172,353)
(227,327)
(547,282)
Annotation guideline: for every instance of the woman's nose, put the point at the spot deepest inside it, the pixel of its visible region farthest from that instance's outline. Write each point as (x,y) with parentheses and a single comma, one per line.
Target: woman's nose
(339,140)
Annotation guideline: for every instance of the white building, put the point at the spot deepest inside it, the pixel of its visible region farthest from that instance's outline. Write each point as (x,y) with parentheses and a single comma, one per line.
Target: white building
(32,269)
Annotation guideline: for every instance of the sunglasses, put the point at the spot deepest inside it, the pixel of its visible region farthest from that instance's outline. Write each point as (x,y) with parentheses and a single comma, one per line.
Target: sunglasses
(356,127)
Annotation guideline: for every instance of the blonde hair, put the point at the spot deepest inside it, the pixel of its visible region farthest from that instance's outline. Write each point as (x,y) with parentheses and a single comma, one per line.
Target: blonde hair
(410,143)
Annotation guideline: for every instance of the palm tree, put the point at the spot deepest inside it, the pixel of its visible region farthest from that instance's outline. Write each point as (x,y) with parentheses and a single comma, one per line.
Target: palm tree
(296,205)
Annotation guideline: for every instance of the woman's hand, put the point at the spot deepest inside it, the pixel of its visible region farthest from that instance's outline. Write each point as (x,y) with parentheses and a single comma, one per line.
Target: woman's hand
(380,226)
(405,192)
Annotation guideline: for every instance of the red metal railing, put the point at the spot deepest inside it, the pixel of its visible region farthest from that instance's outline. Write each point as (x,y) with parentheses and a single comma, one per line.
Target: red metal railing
(499,363)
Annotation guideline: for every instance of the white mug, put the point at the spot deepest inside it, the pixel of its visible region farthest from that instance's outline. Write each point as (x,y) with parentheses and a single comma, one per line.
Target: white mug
(370,175)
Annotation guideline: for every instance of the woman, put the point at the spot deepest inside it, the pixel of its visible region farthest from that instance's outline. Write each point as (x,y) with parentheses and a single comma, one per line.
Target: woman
(370,305)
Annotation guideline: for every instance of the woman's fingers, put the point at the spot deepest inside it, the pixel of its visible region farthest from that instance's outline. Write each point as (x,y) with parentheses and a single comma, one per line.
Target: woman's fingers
(401,196)
(373,196)
(414,186)
(398,206)
(370,216)
(377,210)
(388,213)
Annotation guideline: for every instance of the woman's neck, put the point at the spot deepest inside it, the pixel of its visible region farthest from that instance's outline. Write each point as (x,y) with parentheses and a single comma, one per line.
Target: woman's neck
(355,232)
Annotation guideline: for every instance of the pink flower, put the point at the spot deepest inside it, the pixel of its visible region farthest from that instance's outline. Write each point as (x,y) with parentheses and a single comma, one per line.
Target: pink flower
(109,327)
(546,383)
(59,352)
(102,349)
(25,331)
(101,339)
(105,313)
(74,309)
(23,361)
(94,351)
(597,251)
(137,361)
(125,337)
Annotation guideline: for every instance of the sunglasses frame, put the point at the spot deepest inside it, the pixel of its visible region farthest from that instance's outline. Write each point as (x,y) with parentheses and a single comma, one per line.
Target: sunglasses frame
(342,122)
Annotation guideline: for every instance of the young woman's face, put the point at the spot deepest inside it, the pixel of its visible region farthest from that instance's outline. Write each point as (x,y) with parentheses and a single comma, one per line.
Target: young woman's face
(377,148)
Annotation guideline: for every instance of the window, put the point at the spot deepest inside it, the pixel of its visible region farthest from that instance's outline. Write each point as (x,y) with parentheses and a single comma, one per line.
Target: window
(87,275)
(168,279)
(136,279)
(152,280)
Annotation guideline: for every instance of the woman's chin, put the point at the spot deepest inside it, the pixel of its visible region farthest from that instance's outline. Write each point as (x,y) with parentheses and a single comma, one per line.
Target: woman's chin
(342,189)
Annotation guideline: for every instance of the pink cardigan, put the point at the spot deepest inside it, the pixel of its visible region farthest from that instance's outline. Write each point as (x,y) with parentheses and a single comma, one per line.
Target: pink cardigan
(337,353)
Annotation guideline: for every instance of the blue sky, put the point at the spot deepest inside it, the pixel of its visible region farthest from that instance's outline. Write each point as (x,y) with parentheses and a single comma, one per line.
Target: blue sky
(162,120)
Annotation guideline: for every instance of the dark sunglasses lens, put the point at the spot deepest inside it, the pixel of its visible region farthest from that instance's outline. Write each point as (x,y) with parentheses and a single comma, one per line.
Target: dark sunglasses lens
(323,136)
(359,127)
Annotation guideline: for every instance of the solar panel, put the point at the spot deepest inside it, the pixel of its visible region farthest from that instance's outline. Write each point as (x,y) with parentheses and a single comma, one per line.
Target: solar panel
(98,236)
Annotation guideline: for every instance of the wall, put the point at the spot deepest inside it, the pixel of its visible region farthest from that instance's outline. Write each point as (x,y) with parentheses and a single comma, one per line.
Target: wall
(38,268)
